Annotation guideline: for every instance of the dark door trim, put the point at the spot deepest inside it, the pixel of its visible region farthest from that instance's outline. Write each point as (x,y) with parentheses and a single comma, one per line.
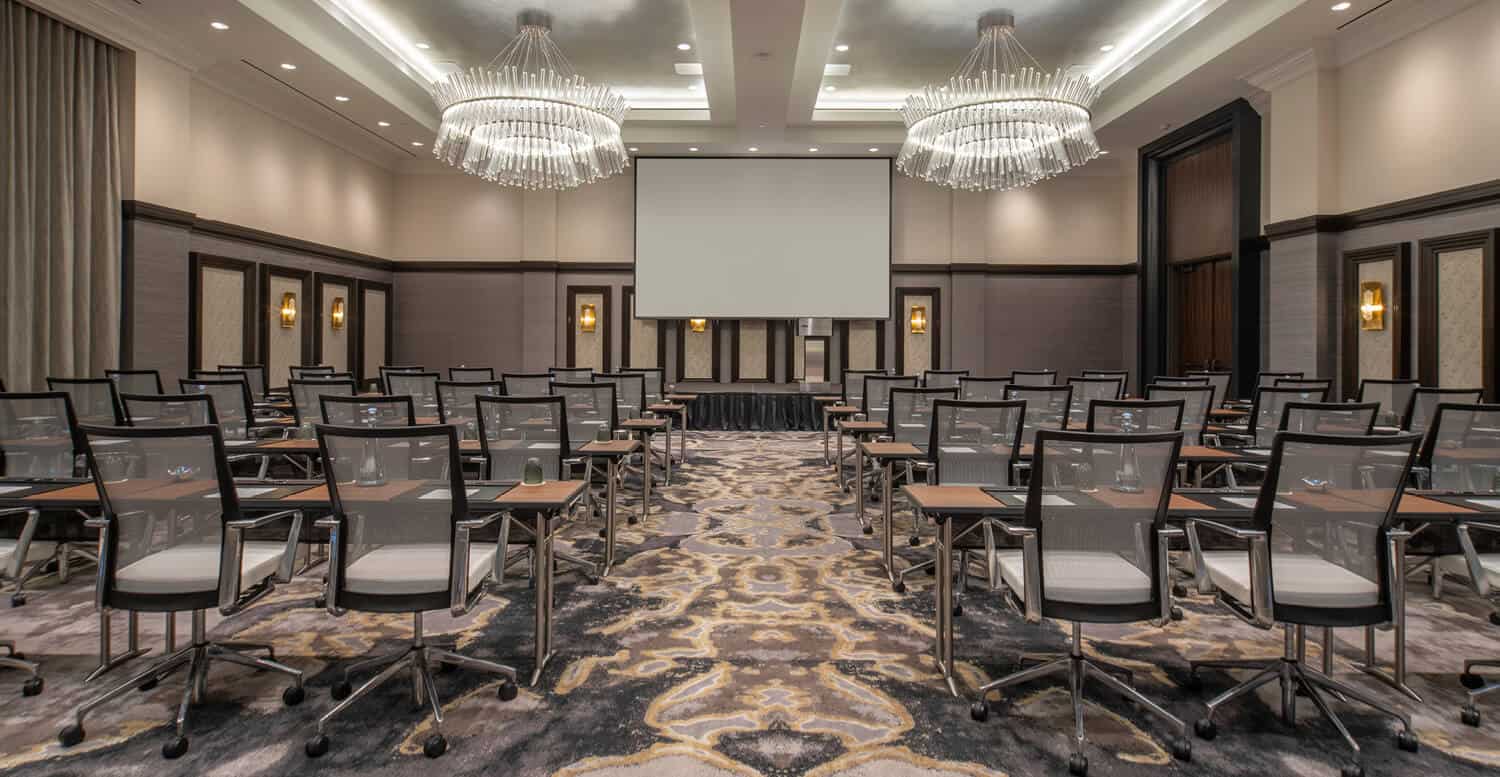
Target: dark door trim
(934,324)
(196,264)
(1428,302)
(602,324)
(1396,307)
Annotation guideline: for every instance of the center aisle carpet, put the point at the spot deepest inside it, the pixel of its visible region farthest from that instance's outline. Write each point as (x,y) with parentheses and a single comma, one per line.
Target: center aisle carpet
(749,629)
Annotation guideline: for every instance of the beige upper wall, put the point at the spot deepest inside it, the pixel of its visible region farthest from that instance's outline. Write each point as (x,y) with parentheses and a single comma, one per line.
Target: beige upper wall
(429,208)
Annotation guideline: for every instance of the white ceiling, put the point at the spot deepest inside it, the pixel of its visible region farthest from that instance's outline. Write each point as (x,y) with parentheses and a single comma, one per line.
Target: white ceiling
(763,61)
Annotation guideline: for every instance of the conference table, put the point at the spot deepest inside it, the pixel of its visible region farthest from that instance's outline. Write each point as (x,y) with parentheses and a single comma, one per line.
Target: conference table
(955,509)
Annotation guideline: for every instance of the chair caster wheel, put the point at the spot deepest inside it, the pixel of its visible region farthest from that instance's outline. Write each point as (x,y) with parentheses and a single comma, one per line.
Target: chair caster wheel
(148,685)
(293,696)
(32,687)
(1078,766)
(1406,739)
(932,571)
(1179,590)
(435,746)
(18,655)
(980,710)
(1495,618)
(868,530)
(1194,682)
(316,747)
(1352,770)
(176,748)
(320,603)
(899,586)
(958,609)
(914,542)
(443,667)
(1182,749)
(1469,715)
(1205,729)
(340,690)
(71,735)
(603,533)
(1470,680)
(508,690)
(632,520)
(17,600)
(1176,613)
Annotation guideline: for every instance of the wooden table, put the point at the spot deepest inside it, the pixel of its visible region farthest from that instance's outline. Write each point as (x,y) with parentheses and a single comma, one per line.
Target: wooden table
(612,452)
(646,427)
(541,502)
(683,399)
(832,411)
(671,410)
(886,454)
(857,430)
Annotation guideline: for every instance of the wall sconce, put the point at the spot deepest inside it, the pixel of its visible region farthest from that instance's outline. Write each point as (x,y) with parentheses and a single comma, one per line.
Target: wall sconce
(588,318)
(919,319)
(337,313)
(699,325)
(288,310)
(1371,306)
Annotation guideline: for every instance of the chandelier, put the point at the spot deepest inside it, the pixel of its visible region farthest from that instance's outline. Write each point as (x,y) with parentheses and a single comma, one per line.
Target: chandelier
(1000,122)
(527,119)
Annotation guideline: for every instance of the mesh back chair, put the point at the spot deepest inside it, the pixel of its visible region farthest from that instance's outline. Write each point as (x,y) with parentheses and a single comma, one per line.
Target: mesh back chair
(158,410)
(456,403)
(527,385)
(300,371)
(38,439)
(1046,408)
(136,381)
(1177,381)
(13,557)
(656,383)
(1323,552)
(1123,375)
(1345,418)
(1423,404)
(459,374)
(1268,379)
(910,417)
(1196,402)
(983,389)
(942,378)
(1094,550)
(877,394)
(400,543)
(571,374)
(588,408)
(95,400)
(853,387)
(232,403)
(630,392)
(1033,377)
(173,539)
(1221,380)
(1391,395)
(306,410)
(420,386)
(1305,383)
(1265,412)
(369,412)
(1086,390)
(514,429)
(1119,416)
(254,373)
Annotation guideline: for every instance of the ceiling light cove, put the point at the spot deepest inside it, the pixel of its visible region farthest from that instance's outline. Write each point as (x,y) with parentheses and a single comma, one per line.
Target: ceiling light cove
(1168,17)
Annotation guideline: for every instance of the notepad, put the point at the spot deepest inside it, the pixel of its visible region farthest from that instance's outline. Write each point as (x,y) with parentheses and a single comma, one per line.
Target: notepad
(543,445)
(234,443)
(1493,503)
(912,426)
(1402,454)
(11,489)
(1049,500)
(246,492)
(1258,451)
(103,443)
(955,449)
(443,493)
(1249,501)
(592,423)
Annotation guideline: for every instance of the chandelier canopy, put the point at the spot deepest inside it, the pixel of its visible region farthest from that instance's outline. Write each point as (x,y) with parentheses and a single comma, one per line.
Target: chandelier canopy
(527,119)
(1000,122)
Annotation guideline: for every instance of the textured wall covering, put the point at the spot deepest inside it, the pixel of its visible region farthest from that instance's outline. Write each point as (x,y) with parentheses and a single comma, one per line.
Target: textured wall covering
(698,353)
(222,318)
(753,336)
(1460,297)
(336,341)
(284,348)
(374,309)
(1375,346)
(642,341)
(861,345)
(918,347)
(589,346)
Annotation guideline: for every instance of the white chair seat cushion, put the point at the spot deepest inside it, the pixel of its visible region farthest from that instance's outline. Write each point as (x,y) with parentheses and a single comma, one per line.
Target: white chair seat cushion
(1081,577)
(1301,580)
(395,570)
(1457,566)
(192,568)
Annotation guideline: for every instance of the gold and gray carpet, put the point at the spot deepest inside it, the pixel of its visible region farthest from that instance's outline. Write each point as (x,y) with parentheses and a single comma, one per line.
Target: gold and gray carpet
(748,630)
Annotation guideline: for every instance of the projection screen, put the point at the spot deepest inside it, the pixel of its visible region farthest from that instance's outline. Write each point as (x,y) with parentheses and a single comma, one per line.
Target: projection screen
(762,238)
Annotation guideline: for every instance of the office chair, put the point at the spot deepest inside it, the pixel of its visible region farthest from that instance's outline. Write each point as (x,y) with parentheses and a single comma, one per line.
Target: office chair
(1324,551)
(95,400)
(1268,379)
(1131,416)
(456,403)
(173,539)
(1086,390)
(571,374)
(1094,550)
(1391,395)
(1328,418)
(536,384)
(401,544)
(1305,383)
(512,431)
(136,381)
(471,374)
(1123,375)
(307,411)
(381,412)
(158,410)
(876,397)
(1046,407)
(1179,382)
(300,371)
(420,386)
(1221,380)
(12,559)
(1423,404)
(38,439)
(255,373)
(983,389)
(942,378)
(1033,377)
(1196,401)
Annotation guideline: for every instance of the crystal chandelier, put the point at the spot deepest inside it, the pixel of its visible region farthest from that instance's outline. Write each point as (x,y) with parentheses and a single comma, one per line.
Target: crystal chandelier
(1000,122)
(527,119)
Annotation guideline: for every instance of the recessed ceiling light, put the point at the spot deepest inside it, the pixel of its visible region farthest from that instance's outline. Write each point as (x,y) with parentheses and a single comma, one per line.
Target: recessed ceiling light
(830,88)
(416,142)
(873,149)
(218,25)
(755,148)
(341,98)
(424,46)
(692,148)
(1107,47)
(383,123)
(684,47)
(633,148)
(841,47)
(813,150)
(288,66)
(1340,6)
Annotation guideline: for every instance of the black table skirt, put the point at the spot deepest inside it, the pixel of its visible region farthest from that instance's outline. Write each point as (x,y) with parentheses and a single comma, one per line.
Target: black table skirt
(746,412)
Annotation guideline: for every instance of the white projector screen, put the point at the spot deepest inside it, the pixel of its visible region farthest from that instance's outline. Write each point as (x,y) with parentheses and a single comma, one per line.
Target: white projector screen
(762,238)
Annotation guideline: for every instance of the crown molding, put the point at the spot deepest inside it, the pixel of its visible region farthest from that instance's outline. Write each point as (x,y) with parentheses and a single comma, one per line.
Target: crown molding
(1279,74)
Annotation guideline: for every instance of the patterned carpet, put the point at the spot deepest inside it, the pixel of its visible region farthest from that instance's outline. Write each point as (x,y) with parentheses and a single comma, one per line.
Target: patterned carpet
(748,630)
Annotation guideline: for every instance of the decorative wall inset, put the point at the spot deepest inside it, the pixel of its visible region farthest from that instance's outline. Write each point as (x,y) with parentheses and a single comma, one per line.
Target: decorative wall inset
(334,347)
(753,354)
(1458,311)
(374,346)
(698,352)
(221,316)
(589,349)
(918,351)
(1370,353)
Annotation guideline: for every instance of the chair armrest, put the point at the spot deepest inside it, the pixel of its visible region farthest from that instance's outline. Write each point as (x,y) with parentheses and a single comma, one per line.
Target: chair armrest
(1164,539)
(458,573)
(259,521)
(23,540)
(1031,564)
(1478,577)
(1260,614)
(232,556)
(481,522)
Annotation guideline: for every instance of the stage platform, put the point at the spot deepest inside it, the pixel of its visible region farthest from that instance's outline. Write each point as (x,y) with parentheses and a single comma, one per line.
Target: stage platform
(756,407)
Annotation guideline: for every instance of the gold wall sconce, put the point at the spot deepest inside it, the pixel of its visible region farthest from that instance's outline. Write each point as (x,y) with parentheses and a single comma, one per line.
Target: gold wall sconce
(588,317)
(919,319)
(288,310)
(1371,306)
(337,313)
(699,325)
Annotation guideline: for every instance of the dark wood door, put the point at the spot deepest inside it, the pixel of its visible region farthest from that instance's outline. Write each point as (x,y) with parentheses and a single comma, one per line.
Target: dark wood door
(1203,315)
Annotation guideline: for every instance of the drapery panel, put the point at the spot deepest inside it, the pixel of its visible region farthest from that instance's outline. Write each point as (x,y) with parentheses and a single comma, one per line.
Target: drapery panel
(60,219)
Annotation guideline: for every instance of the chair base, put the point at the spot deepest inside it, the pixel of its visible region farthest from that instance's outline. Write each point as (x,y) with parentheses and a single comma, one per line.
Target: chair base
(1293,676)
(1477,687)
(14,660)
(1078,669)
(61,562)
(415,660)
(196,658)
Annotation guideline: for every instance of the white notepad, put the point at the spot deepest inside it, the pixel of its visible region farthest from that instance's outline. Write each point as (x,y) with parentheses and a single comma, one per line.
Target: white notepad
(1249,501)
(1485,502)
(442,493)
(955,449)
(1258,451)
(1049,500)
(103,443)
(1402,454)
(234,443)
(11,489)
(246,492)
(542,445)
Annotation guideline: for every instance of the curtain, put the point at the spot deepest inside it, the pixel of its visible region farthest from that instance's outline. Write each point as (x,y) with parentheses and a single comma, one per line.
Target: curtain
(59,200)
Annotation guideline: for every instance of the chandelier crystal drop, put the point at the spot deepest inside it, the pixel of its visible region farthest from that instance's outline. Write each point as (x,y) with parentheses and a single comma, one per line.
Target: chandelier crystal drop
(527,119)
(1000,122)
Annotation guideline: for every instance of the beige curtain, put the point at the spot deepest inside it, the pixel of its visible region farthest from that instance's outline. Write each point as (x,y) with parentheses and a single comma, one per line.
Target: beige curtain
(59,200)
